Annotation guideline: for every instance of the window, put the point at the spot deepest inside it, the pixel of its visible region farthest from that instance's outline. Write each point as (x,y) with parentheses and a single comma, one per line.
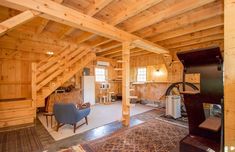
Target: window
(100,74)
(141,74)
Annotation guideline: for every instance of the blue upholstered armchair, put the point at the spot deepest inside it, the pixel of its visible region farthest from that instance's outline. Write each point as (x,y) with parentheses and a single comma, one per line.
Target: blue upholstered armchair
(67,113)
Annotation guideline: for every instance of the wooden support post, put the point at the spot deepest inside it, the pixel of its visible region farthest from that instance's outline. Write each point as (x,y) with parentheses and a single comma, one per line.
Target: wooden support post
(229,72)
(125,83)
(33,85)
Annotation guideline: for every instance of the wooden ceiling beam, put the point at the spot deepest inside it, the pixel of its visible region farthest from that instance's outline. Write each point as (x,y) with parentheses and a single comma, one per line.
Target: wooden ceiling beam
(46,21)
(120,53)
(182,20)
(96,42)
(60,35)
(141,53)
(197,15)
(133,54)
(17,20)
(177,9)
(83,37)
(42,26)
(199,26)
(192,36)
(200,29)
(132,10)
(111,51)
(68,32)
(70,17)
(219,43)
(97,6)
(104,42)
(110,45)
(92,10)
(196,41)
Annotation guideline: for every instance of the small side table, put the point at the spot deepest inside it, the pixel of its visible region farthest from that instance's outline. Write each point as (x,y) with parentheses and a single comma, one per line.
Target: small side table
(49,115)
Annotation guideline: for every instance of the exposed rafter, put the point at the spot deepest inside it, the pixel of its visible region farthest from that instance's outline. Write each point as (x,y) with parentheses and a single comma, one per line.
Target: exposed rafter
(218,43)
(83,37)
(42,26)
(132,10)
(17,20)
(70,17)
(193,36)
(202,25)
(108,46)
(91,11)
(45,22)
(135,50)
(196,41)
(197,15)
(110,51)
(97,6)
(176,9)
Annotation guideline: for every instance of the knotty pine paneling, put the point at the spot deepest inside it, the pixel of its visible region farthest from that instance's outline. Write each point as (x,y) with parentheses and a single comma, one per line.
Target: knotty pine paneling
(229,72)
(15,79)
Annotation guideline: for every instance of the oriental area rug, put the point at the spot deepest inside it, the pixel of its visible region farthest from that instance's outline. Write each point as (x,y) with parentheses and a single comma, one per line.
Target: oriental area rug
(151,136)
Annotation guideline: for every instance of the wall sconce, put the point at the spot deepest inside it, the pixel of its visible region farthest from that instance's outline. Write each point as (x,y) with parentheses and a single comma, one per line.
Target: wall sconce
(158,72)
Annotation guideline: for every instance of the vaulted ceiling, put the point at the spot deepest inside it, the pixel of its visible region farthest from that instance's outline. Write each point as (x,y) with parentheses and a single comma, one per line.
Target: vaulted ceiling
(177,25)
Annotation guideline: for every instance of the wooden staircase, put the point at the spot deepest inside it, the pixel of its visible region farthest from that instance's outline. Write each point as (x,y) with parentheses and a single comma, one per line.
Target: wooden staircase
(54,71)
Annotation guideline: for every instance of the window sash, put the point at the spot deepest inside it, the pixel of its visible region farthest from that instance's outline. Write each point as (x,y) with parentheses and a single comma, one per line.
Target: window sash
(100,74)
(141,74)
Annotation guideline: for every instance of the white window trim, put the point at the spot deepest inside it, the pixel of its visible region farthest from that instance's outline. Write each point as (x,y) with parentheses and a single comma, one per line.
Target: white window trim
(143,76)
(105,74)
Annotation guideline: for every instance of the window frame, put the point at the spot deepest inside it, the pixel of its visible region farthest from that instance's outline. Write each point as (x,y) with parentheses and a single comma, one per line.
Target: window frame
(104,79)
(141,77)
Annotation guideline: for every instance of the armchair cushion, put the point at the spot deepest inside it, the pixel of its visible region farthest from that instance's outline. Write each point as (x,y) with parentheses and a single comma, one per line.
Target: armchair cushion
(82,113)
(67,113)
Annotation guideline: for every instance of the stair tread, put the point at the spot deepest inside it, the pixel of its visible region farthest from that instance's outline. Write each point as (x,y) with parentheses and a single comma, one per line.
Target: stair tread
(44,91)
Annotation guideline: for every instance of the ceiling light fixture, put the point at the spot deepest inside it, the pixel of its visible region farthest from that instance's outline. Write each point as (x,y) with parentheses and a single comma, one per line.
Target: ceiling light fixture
(49,53)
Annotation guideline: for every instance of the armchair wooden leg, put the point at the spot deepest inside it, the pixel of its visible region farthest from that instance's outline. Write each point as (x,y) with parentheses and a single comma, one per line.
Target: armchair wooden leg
(86,120)
(58,126)
(74,128)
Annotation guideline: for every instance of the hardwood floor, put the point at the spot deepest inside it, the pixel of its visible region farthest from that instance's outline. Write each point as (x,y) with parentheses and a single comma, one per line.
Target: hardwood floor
(43,135)
(37,138)
(23,140)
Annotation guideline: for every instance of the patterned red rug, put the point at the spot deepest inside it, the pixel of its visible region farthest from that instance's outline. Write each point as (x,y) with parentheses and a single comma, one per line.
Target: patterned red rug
(152,136)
